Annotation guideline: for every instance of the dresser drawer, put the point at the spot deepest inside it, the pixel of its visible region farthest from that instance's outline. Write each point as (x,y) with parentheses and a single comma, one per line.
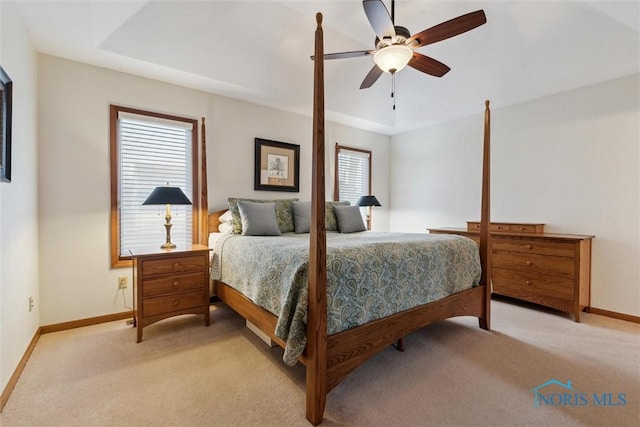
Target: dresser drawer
(534,263)
(534,246)
(175,283)
(565,305)
(525,228)
(504,227)
(174,265)
(510,282)
(170,303)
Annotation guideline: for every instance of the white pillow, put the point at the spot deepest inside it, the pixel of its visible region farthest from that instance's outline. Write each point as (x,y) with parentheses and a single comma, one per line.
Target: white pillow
(226,217)
(225,227)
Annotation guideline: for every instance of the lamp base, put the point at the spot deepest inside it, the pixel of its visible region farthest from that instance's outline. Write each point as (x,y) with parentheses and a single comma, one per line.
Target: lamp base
(167,226)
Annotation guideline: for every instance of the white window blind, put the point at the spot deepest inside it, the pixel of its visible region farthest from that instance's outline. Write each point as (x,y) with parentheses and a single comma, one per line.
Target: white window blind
(353,175)
(152,152)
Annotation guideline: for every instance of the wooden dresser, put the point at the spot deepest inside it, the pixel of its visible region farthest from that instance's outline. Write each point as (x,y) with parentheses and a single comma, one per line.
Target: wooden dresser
(170,282)
(553,270)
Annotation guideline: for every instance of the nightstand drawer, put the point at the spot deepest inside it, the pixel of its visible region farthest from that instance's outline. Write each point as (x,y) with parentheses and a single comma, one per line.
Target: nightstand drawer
(175,283)
(174,265)
(508,282)
(534,246)
(537,263)
(170,303)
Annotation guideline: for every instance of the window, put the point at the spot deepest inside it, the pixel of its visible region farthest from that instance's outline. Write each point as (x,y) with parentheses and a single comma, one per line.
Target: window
(353,175)
(150,150)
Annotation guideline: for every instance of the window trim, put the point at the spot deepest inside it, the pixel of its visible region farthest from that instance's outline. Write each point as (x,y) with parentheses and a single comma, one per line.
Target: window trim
(336,178)
(117,260)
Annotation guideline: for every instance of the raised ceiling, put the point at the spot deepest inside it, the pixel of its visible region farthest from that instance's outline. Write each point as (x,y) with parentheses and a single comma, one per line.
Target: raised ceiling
(259,51)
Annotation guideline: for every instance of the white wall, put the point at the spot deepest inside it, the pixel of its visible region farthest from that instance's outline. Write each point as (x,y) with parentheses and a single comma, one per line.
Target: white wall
(231,149)
(76,279)
(18,199)
(570,161)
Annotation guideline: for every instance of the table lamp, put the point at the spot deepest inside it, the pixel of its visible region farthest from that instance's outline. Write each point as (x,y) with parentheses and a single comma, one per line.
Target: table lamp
(368,201)
(167,196)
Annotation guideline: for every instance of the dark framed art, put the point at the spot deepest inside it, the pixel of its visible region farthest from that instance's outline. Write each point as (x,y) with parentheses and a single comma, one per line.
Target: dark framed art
(6,86)
(277,166)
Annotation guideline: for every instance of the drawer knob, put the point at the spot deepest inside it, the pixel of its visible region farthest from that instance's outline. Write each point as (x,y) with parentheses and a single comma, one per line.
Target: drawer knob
(176,265)
(522,228)
(528,263)
(176,302)
(529,246)
(176,283)
(528,282)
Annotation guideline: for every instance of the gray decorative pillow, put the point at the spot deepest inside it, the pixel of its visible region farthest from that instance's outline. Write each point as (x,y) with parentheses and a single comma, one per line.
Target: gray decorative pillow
(284,213)
(330,221)
(258,219)
(302,216)
(349,219)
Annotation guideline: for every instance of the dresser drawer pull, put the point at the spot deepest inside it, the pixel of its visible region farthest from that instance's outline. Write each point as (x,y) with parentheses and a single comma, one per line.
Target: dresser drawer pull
(529,246)
(521,228)
(528,263)
(528,282)
(176,302)
(176,265)
(176,283)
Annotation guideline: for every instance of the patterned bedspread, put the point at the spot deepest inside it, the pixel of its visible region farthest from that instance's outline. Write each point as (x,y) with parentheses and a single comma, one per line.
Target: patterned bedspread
(370,275)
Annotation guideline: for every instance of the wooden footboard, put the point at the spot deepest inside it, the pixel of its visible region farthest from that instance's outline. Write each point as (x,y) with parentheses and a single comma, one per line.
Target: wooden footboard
(349,349)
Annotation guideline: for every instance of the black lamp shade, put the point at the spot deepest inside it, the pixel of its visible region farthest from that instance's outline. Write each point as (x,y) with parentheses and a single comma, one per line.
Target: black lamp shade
(167,196)
(368,201)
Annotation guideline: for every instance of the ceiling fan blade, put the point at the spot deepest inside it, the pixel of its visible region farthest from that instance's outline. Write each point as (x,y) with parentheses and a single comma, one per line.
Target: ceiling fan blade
(428,65)
(379,18)
(448,29)
(343,55)
(371,78)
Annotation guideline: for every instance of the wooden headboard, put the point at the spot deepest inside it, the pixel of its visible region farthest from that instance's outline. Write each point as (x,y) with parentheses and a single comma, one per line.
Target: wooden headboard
(214,220)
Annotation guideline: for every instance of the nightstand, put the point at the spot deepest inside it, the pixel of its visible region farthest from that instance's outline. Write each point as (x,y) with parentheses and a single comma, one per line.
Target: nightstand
(170,282)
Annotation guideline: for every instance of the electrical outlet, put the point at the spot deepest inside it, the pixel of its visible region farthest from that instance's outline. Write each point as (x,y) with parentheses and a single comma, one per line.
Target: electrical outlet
(30,304)
(123,282)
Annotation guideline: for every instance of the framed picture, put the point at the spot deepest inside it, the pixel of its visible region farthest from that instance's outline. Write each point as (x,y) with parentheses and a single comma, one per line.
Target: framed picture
(6,86)
(277,166)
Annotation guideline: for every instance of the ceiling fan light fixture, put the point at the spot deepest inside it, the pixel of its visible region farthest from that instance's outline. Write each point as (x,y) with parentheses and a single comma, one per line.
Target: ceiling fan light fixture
(394,58)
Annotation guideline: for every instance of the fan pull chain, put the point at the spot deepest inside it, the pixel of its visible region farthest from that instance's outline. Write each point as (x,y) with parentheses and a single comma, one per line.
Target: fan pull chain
(393,90)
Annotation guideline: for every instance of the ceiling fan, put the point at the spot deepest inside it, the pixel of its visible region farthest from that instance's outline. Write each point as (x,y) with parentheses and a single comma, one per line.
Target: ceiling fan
(395,46)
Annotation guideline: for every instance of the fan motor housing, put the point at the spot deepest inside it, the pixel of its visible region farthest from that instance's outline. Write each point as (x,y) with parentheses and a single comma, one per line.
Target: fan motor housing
(402,34)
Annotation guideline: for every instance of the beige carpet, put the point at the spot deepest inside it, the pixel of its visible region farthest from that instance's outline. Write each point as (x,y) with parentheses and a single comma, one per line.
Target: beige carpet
(452,373)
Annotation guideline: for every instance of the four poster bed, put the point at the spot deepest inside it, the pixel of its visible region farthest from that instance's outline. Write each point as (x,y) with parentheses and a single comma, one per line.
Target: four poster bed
(330,357)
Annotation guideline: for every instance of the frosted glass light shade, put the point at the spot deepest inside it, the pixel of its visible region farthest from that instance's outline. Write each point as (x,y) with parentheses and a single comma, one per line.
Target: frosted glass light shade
(394,58)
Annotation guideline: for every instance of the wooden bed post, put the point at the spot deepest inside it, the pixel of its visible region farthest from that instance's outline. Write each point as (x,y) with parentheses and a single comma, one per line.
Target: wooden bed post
(204,199)
(317,310)
(485,235)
